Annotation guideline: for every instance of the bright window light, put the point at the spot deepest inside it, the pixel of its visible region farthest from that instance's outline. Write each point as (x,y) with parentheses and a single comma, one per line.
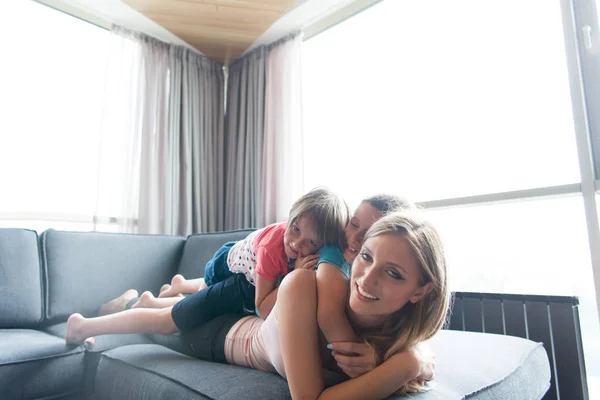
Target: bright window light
(52,81)
(470,99)
(443,99)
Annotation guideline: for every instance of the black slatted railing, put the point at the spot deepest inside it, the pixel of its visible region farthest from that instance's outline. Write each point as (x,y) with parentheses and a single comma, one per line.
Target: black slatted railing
(552,320)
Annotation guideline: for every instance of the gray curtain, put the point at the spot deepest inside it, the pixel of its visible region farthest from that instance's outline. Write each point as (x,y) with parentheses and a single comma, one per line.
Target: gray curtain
(263,157)
(169,108)
(244,125)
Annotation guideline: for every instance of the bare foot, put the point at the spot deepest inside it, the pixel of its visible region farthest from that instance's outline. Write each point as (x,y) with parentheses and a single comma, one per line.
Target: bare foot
(175,289)
(118,304)
(164,287)
(146,301)
(74,333)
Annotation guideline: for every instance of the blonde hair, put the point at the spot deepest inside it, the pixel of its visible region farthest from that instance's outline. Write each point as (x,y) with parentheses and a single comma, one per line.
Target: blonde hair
(415,322)
(329,213)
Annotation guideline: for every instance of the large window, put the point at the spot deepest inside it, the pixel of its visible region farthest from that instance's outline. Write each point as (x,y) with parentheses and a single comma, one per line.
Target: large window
(52,77)
(458,104)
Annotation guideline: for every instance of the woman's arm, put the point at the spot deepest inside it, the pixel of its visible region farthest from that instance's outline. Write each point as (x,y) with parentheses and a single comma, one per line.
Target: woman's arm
(332,293)
(379,383)
(298,334)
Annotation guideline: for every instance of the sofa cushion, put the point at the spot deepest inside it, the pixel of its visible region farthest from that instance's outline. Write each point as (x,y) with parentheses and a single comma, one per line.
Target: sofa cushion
(20,279)
(468,366)
(85,270)
(155,372)
(35,364)
(200,248)
(484,366)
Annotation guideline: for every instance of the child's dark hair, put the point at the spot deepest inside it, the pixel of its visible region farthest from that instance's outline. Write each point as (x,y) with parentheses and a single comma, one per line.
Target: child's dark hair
(329,213)
(387,203)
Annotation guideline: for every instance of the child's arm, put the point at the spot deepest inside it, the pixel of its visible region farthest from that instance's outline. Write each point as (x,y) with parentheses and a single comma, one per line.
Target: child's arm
(266,295)
(332,290)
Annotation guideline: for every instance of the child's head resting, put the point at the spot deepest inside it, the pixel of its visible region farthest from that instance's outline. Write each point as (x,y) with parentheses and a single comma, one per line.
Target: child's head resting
(316,219)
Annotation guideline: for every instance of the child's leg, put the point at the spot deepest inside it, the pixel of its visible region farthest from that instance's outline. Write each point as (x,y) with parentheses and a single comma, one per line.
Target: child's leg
(147,300)
(233,295)
(140,320)
(119,304)
(181,285)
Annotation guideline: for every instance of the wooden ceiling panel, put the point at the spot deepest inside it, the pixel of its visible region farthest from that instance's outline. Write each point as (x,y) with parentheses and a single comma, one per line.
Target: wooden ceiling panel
(221,29)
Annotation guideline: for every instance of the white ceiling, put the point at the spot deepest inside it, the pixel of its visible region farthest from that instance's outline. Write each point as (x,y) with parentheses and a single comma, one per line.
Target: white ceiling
(303,14)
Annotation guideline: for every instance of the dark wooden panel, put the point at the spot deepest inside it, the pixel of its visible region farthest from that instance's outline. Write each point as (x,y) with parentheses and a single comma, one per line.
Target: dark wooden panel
(514,318)
(492,316)
(570,368)
(539,331)
(473,315)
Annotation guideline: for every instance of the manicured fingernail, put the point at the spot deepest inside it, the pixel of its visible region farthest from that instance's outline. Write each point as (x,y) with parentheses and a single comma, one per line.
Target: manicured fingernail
(330,346)
(333,353)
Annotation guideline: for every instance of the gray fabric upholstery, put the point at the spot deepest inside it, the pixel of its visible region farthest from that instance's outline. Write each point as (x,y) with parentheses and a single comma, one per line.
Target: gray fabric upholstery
(485,366)
(155,372)
(20,279)
(103,342)
(35,364)
(200,248)
(85,270)
(468,366)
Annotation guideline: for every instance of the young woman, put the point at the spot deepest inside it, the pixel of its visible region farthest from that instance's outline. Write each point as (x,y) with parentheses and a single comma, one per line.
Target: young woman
(399,298)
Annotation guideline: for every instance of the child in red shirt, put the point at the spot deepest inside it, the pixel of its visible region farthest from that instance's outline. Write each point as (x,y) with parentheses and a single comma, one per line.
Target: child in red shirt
(241,276)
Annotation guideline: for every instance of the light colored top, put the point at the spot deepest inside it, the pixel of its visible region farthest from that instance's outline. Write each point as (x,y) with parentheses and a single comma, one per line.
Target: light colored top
(262,252)
(254,342)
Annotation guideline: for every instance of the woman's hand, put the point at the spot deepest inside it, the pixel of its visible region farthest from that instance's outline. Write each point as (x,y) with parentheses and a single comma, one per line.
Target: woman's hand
(308,262)
(354,358)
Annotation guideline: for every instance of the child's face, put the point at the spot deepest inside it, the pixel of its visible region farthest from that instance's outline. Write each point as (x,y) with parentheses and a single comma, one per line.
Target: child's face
(362,219)
(301,239)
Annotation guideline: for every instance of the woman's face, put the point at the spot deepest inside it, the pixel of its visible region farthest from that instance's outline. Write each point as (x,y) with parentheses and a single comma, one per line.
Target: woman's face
(385,276)
(362,219)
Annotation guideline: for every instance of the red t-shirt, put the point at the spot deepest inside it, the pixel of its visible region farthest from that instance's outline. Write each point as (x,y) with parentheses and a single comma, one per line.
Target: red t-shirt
(271,260)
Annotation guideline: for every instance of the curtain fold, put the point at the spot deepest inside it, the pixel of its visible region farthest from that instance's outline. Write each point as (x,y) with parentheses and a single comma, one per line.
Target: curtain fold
(163,126)
(264,135)
(244,140)
(282,168)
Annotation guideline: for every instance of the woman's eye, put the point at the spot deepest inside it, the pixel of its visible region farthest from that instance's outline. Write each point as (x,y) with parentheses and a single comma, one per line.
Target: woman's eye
(312,243)
(296,229)
(365,256)
(354,225)
(395,275)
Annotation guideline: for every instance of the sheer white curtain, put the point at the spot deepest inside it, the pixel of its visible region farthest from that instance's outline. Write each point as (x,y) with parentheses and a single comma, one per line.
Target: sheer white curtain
(162,138)
(119,172)
(284,152)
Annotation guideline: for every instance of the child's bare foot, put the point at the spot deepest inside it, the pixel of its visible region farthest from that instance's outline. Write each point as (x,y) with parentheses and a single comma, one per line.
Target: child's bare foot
(118,304)
(147,300)
(75,333)
(164,287)
(175,289)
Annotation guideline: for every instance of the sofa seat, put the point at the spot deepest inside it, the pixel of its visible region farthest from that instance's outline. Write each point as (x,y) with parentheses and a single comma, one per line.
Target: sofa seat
(468,366)
(156,372)
(35,364)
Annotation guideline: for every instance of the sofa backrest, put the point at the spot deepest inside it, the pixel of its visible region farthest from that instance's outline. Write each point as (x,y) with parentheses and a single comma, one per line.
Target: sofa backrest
(83,270)
(200,248)
(20,279)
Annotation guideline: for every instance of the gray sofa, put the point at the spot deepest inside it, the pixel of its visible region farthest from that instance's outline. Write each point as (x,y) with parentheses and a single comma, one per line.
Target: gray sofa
(45,278)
